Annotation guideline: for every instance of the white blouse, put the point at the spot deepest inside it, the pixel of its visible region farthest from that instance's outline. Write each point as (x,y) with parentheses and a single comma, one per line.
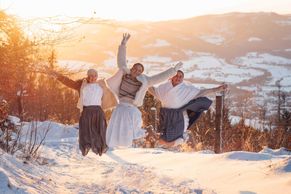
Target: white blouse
(92,94)
(175,97)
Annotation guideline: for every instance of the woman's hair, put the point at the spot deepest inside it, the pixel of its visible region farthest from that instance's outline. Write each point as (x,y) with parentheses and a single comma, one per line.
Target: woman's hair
(92,71)
(181,72)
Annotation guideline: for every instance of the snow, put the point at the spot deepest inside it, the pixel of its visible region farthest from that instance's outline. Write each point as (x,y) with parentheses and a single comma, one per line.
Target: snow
(248,88)
(204,66)
(286,167)
(83,66)
(153,63)
(286,82)
(213,39)
(283,22)
(4,184)
(225,28)
(199,85)
(15,120)
(254,122)
(157,59)
(276,65)
(76,65)
(126,30)
(189,53)
(248,156)
(56,131)
(277,152)
(207,65)
(254,39)
(158,43)
(110,63)
(263,58)
(6,187)
(139,170)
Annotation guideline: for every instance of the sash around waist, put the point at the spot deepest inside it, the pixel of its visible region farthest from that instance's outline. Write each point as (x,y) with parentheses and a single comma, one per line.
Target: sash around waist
(91,107)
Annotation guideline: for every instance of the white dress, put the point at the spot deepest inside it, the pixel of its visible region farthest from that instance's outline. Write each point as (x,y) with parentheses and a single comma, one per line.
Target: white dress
(124,126)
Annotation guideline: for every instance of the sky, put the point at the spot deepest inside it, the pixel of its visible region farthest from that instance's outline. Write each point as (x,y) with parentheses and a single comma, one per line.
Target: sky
(139,10)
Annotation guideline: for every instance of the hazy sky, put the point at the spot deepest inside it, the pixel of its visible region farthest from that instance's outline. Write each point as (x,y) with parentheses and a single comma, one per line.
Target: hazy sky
(153,10)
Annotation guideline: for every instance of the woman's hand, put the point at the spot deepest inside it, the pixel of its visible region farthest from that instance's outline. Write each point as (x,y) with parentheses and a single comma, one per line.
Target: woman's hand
(125,38)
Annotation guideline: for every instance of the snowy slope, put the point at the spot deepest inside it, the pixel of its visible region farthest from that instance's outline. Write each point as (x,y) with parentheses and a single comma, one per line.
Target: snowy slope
(138,170)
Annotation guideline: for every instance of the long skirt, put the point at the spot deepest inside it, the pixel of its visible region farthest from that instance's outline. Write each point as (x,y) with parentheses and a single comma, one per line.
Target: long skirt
(124,126)
(92,133)
(172,121)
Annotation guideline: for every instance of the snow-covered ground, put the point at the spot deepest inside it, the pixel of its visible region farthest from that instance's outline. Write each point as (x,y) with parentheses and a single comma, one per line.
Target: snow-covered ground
(158,43)
(254,122)
(75,65)
(283,22)
(254,39)
(137,170)
(207,65)
(278,66)
(213,39)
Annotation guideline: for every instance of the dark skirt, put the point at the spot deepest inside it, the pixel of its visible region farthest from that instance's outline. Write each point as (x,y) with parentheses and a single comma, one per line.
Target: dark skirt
(92,133)
(172,120)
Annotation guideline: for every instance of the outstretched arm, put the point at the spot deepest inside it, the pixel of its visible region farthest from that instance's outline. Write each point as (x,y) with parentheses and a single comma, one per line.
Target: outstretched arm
(66,81)
(121,55)
(206,92)
(152,90)
(155,79)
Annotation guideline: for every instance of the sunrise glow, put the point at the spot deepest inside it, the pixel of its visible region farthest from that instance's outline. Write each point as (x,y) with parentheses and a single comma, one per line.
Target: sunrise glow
(150,10)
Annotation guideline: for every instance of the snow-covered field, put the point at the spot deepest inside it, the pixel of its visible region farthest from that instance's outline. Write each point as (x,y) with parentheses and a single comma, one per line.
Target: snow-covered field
(254,39)
(279,67)
(213,39)
(136,170)
(207,65)
(158,43)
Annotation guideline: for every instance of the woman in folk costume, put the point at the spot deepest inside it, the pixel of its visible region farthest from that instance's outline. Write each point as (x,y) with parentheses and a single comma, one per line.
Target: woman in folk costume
(182,104)
(130,86)
(94,97)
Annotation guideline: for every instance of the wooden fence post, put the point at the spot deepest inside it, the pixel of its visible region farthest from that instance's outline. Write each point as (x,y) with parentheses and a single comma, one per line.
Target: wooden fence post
(218,115)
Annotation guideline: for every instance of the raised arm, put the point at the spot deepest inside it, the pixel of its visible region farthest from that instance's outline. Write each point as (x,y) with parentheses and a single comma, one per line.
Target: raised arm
(121,55)
(163,76)
(205,92)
